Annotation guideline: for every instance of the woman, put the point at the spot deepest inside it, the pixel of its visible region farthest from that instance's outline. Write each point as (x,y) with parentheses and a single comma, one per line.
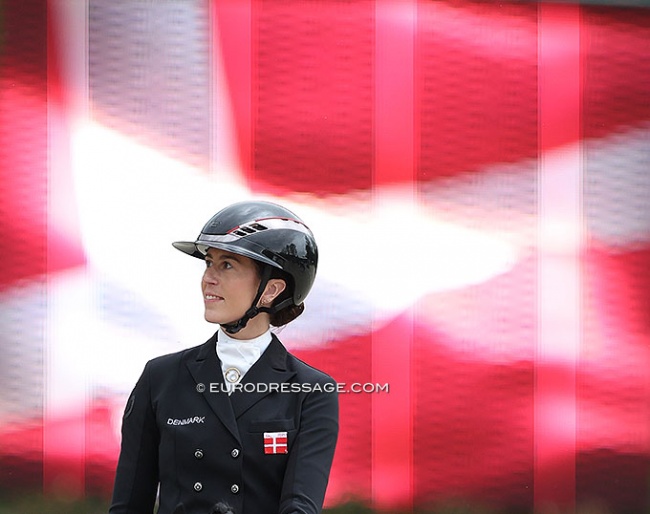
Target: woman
(238,420)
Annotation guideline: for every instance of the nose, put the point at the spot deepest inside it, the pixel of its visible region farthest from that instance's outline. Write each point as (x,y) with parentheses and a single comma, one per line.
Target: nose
(209,276)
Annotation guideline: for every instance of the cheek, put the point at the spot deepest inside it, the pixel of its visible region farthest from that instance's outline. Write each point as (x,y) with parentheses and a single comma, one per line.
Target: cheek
(250,286)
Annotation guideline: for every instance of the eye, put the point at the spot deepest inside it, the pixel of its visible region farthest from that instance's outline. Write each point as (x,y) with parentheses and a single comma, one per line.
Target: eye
(227,265)
(208,264)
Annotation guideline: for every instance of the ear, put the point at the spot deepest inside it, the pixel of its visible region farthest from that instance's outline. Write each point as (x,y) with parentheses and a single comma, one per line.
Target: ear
(273,288)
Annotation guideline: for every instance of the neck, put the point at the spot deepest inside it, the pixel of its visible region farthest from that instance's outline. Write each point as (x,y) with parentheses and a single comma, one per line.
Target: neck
(254,328)
(226,338)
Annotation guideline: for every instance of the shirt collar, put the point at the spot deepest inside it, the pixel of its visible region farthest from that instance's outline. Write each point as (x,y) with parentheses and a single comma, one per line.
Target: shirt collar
(231,351)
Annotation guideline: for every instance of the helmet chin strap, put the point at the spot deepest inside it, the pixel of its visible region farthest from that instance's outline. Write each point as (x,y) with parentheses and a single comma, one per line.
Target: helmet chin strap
(254,310)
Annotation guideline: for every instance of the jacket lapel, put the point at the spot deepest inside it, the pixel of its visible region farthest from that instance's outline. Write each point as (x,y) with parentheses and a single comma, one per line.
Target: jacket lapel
(270,368)
(206,370)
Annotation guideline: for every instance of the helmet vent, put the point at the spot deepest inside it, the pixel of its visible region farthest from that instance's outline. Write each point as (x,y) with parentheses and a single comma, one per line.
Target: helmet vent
(251,228)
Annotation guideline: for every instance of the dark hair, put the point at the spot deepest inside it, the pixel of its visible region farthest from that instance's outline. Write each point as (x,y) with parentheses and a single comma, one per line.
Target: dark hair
(289,313)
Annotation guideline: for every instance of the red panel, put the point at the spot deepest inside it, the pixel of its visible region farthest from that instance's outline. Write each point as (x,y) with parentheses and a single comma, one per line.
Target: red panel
(479,86)
(23,141)
(617,69)
(313,96)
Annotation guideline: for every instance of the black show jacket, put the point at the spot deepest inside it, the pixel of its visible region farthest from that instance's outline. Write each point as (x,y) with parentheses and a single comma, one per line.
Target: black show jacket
(183,433)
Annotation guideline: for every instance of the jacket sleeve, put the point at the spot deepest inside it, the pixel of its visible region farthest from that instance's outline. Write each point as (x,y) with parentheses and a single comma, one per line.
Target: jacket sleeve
(136,478)
(310,458)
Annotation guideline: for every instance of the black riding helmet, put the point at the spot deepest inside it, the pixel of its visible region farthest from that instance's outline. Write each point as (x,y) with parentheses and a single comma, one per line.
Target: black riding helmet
(268,233)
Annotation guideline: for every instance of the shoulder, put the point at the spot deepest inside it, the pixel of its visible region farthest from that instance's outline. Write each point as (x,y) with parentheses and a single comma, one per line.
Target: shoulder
(171,359)
(175,359)
(282,358)
(307,372)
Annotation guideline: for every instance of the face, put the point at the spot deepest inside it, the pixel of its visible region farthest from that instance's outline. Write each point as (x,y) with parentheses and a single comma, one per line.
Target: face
(229,286)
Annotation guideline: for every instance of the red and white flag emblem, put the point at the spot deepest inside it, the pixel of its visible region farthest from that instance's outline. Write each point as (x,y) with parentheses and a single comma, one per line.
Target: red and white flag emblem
(275,442)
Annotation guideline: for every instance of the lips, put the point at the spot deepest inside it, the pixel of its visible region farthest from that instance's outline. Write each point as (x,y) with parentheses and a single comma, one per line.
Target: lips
(212,297)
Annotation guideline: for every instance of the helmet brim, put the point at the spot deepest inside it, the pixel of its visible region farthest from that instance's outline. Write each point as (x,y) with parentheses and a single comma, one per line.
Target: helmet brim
(199,250)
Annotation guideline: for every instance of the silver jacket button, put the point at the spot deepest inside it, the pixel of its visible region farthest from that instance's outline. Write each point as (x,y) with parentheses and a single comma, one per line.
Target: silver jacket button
(198,454)
(234,488)
(198,486)
(234,453)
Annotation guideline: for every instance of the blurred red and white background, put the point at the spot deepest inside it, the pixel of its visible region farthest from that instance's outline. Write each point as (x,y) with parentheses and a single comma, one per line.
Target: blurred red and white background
(477,175)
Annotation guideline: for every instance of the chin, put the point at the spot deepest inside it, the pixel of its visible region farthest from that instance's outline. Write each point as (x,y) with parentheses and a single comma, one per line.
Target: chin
(213,319)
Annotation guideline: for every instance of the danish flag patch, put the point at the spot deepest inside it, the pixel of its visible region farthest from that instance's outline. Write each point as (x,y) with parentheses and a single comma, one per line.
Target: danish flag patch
(275,442)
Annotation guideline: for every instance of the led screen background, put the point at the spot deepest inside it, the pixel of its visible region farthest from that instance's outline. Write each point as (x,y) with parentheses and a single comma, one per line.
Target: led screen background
(476,175)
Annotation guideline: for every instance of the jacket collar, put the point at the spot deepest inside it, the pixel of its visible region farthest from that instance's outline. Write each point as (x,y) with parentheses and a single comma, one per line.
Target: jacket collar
(270,368)
(206,370)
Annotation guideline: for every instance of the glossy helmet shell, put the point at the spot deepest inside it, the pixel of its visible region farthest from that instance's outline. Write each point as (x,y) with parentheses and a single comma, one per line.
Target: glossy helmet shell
(265,232)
